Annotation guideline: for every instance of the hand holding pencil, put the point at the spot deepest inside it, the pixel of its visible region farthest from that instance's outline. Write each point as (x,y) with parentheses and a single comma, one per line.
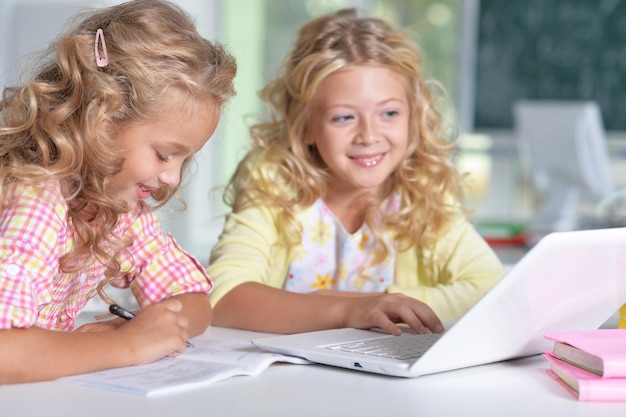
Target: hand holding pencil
(128,315)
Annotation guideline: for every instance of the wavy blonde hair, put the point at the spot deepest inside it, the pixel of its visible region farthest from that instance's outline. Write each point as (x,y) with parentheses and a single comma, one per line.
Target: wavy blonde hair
(62,124)
(282,171)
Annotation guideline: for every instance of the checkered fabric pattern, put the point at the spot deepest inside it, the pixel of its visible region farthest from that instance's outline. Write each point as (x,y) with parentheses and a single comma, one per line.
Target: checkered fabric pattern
(35,232)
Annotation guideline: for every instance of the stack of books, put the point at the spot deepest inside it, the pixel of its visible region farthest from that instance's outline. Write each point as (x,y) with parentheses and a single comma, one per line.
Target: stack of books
(590,364)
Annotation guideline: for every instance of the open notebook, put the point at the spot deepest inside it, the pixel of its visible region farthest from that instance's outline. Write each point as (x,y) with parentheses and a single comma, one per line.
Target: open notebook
(568,281)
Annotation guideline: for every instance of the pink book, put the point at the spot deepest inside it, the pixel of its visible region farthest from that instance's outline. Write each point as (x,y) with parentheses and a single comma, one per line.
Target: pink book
(584,385)
(601,351)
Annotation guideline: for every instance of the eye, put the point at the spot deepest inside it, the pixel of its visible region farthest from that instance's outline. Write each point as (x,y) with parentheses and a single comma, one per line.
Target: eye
(162,157)
(390,114)
(342,118)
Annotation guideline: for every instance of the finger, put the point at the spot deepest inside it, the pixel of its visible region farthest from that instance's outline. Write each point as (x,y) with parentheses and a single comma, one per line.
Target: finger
(181,349)
(427,319)
(430,319)
(173,305)
(407,314)
(183,322)
(391,328)
(384,322)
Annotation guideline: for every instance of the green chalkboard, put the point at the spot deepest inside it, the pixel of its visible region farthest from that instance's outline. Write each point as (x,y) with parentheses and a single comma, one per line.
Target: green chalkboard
(553,50)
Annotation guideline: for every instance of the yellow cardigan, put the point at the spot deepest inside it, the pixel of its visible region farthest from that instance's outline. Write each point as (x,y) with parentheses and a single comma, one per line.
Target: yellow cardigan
(450,278)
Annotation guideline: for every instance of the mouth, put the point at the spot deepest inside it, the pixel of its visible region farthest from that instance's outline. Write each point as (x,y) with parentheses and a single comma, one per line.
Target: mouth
(143,191)
(368,161)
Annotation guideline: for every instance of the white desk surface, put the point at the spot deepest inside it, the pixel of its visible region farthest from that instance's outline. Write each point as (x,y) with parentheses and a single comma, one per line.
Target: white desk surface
(509,389)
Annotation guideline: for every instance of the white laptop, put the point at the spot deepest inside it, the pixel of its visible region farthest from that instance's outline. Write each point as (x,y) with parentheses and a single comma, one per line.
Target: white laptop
(568,281)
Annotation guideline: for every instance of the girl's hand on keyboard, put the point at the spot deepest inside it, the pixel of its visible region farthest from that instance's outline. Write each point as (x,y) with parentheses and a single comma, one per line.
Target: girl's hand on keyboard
(385,310)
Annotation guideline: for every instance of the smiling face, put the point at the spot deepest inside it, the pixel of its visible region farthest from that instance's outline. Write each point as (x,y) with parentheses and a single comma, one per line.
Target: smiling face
(360,126)
(156,149)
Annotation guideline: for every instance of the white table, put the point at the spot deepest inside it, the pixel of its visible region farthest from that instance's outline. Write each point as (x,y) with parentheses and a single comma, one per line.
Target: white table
(508,389)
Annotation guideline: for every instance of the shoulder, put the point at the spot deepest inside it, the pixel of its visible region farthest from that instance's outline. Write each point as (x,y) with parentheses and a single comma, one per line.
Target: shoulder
(458,233)
(46,197)
(35,216)
(266,215)
(262,221)
(265,224)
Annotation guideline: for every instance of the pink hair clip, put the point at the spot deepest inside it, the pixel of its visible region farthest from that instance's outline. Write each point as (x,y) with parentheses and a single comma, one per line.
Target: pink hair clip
(104,60)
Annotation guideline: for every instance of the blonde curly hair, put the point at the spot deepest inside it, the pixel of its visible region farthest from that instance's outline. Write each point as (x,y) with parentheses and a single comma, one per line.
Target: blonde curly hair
(61,125)
(282,171)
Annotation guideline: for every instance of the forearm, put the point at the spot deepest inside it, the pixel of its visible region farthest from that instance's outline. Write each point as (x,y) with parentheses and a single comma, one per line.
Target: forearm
(258,307)
(197,309)
(159,330)
(36,354)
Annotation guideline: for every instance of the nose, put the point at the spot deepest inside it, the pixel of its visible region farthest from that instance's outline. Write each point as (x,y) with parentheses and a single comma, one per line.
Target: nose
(367,134)
(171,176)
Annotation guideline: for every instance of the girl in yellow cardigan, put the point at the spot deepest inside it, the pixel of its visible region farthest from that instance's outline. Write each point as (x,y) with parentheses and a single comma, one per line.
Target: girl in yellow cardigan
(346,211)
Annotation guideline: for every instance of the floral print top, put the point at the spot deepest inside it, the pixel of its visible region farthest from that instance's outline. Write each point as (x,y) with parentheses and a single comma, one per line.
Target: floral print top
(330,258)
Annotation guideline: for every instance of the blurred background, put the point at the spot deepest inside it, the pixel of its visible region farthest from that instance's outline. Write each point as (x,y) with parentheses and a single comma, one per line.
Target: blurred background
(488,54)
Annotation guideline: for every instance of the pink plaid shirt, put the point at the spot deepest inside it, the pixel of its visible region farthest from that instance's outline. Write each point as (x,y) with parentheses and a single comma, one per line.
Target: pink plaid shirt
(35,232)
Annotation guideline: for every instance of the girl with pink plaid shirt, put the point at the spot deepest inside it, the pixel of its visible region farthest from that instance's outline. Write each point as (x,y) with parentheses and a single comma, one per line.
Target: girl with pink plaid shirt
(97,139)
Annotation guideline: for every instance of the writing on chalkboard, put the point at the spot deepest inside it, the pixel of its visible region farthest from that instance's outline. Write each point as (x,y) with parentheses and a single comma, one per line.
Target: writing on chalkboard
(550,50)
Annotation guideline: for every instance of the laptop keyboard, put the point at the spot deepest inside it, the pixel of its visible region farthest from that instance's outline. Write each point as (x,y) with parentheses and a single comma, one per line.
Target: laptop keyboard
(405,346)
